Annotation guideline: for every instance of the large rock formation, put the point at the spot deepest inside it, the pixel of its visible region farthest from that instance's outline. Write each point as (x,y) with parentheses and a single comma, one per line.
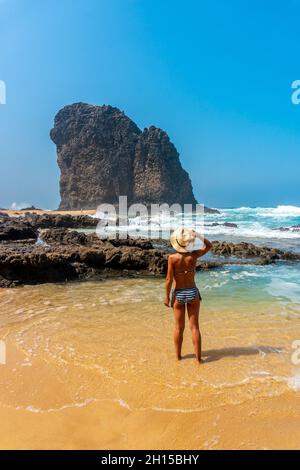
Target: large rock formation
(102,155)
(158,176)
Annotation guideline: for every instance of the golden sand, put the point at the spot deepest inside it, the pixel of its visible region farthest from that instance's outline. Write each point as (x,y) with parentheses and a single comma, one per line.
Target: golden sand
(91,365)
(14,213)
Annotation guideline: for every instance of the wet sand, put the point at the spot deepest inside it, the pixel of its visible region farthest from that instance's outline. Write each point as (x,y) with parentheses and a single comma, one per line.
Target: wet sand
(91,365)
(266,423)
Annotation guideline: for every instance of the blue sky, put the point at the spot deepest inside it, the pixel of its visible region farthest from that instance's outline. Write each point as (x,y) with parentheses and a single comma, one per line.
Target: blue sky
(215,75)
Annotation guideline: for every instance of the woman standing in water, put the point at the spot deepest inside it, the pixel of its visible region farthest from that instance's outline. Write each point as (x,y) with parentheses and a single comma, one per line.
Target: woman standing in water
(181,270)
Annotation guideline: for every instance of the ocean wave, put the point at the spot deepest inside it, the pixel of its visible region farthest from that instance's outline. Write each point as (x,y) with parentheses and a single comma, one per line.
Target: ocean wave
(254,231)
(287,210)
(246,231)
(280,210)
(248,223)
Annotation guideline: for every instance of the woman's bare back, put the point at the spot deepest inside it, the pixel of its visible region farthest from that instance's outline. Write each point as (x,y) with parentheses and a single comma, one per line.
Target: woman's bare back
(184,268)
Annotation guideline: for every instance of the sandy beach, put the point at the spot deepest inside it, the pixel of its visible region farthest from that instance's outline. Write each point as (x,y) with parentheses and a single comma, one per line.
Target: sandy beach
(271,423)
(91,365)
(17,213)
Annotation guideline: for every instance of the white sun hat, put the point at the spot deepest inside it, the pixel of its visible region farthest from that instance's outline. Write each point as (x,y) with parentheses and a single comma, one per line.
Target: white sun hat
(185,240)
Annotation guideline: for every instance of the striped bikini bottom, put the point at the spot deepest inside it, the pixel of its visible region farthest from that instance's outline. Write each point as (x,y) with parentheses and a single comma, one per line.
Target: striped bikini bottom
(186,295)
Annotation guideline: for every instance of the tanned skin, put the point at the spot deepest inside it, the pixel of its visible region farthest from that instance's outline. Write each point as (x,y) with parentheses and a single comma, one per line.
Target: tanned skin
(179,262)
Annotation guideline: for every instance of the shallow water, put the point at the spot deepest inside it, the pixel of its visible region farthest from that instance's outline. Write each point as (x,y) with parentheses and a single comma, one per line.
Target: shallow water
(70,345)
(92,365)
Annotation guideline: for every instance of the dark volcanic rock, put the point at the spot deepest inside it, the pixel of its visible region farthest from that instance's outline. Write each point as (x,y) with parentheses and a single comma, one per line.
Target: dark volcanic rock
(63,237)
(263,254)
(60,220)
(95,146)
(140,242)
(225,224)
(294,228)
(76,256)
(209,210)
(102,154)
(157,172)
(70,255)
(16,229)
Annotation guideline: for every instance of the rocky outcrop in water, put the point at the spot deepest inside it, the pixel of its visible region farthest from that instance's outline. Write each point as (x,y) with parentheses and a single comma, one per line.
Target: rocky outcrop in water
(293,228)
(31,252)
(262,254)
(66,256)
(224,252)
(60,220)
(224,224)
(60,255)
(102,154)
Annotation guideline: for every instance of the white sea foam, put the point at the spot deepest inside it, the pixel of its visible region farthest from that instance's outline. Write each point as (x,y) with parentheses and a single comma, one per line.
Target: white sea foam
(254,231)
(287,211)
(215,285)
(34,409)
(278,287)
(244,274)
(176,410)
(259,222)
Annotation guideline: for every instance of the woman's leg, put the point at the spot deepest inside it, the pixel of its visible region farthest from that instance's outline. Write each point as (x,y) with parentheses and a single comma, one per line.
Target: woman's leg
(179,316)
(193,313)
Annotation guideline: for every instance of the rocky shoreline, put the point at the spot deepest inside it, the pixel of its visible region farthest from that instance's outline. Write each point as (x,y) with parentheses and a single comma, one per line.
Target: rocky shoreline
(35,249)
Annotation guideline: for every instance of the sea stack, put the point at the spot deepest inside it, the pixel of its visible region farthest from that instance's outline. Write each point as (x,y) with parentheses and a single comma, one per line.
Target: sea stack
(102,155)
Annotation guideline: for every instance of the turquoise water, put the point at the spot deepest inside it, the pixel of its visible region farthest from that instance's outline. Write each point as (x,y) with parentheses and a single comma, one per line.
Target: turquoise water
(244,285)
(248,285)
